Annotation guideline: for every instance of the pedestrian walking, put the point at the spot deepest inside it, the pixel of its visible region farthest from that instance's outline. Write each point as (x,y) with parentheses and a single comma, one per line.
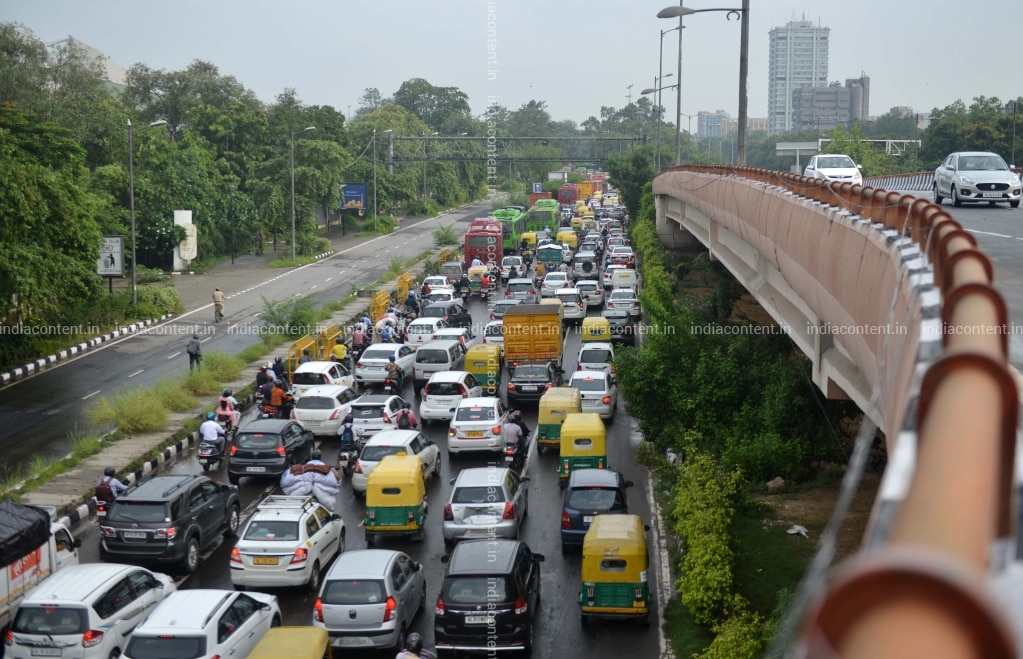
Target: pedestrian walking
(194,350)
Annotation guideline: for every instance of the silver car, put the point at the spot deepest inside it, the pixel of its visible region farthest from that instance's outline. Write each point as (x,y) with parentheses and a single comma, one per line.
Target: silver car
(522,289)
(371,367)
(976,176)
(625,299)
(485,502)
(370,598)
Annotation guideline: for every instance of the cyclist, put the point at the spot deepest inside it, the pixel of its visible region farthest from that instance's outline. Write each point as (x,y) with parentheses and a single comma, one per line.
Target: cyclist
(218,300)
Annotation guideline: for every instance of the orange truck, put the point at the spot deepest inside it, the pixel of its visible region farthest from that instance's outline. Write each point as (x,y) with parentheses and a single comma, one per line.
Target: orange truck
(532,333)
(586,189)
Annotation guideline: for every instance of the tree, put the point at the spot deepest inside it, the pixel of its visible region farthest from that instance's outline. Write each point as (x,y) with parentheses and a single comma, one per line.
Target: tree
(629,172)
(24,70)
(434,105)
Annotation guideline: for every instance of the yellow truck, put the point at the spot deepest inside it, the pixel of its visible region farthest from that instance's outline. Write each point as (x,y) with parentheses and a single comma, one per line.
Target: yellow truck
(586,189)
(532,333)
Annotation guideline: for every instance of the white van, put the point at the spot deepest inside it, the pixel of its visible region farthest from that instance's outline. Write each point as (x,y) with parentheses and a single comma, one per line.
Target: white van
(624,279)
(438,355)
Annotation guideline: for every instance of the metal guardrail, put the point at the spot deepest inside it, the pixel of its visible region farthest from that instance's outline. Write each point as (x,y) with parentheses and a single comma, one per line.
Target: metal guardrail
(924,591)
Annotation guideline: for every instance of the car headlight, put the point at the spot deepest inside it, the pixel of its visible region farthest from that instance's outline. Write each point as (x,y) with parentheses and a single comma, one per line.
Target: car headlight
(1014,181)
(965,180)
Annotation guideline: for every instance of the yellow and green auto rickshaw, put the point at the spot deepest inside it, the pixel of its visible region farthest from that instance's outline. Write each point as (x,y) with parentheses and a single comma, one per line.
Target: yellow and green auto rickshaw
(576,224)
(293,643)
(568,236)
(596,329)
(583,444)
(615,569)
(529,237)
(483,360)
(555,406)
(396,498)
(476,274)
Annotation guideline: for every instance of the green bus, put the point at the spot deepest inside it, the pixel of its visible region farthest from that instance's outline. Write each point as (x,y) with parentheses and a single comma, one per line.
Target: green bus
(545,214)
(513,225)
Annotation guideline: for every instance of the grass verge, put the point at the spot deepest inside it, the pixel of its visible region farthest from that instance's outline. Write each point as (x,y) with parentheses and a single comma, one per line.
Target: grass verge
(287,262)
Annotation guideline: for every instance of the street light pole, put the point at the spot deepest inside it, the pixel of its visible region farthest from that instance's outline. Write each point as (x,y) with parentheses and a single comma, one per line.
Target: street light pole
(672,12)
(230,217)
(660,76)
(131,204)
(293,133)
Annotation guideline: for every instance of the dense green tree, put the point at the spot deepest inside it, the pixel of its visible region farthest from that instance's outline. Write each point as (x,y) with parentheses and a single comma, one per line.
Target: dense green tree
(433,105)
(24,67)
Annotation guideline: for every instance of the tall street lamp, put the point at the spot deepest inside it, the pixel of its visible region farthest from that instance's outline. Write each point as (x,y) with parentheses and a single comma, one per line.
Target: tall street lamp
(742,13)
(657,110)
(375,221)
(424,166)
(672,12)
(293,133)
(131,202)
(660,74)
(230,217)
(1013,105)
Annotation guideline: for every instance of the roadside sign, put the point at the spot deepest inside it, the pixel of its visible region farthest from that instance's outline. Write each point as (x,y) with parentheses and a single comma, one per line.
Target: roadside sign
(537,187)
(111,257)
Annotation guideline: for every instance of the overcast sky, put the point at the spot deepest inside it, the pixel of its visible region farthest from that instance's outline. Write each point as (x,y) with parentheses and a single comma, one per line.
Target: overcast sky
(575,56)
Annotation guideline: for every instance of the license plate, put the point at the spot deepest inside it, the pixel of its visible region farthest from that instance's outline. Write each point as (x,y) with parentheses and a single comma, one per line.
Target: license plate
(509,458)
(265,560)
(45,652)
(134,535)
(205,451)
(255,470)
(476,620)
(474,433)
(528,387)
(354,641)
(311,423)
(589,403)
(477,533)
(587,519)
(990,194)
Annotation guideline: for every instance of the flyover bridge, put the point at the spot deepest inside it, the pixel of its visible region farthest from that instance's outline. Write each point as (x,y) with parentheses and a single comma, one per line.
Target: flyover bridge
(893,304)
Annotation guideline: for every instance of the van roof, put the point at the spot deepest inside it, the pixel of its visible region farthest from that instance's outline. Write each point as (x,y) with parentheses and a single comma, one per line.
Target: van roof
(77,583)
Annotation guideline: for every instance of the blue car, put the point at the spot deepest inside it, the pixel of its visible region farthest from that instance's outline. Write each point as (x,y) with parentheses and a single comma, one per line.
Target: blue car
(590,492)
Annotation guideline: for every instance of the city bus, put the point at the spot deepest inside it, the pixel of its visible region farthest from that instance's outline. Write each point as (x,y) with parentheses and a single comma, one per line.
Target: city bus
(568,193)
(545,214)
(484,241)
(513,225)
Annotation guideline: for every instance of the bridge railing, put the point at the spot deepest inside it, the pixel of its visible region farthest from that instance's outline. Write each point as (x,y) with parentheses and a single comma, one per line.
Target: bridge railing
(923,591)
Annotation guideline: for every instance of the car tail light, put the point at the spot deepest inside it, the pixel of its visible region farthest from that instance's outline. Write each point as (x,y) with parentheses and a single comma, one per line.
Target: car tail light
(384,416)
(449,516)
(413,371)
(639,594)
(107,532)
(300,555)
(496,430)
(358,467)
(318,610)
(293,413)
(509,511)
(600,463)
(358,364)
(236,556)
(589,593)
(549,385)
(426,390)
(578,367)
(451,431)
(492,316)
(335,414)
(9,638)
(281,451)
(438,610)
(533,292)
(234,449)
(92,638)
(506,294)
(566,520)
(521,606)
(606,400)
(567,466)
(389,609)
(511,387)
(465,392)
(168,533)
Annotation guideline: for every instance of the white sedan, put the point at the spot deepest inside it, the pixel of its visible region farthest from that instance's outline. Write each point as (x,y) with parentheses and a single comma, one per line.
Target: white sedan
(370,369)
(625,299)
(552,282)
(476,425)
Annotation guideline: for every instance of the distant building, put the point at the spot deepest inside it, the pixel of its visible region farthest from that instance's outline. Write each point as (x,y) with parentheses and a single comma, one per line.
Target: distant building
(712,124)
(822,108)
(112,71)
(731,126)
(798,57)
(923,119)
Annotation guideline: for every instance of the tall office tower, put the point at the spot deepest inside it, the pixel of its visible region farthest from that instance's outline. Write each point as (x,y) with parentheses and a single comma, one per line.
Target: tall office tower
(798,58)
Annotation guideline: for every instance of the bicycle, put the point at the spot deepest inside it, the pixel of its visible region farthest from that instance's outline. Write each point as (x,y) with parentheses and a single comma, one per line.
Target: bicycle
(218,313)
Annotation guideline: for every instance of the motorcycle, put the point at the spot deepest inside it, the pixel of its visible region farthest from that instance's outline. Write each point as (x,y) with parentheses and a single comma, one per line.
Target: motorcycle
(513,457)
(210,455)
(346,457)
(268,411)
(391,387)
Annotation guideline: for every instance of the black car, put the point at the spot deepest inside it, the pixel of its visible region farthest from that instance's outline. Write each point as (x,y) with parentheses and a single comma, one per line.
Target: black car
(590,492)
(453,313)
(490,597)
(529,382)
(169,519)
(623,329)
(266,447)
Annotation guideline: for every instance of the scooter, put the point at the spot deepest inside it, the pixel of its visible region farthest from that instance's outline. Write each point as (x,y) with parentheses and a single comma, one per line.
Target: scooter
(391,387)
(346,457)
(513,458)
(210,455)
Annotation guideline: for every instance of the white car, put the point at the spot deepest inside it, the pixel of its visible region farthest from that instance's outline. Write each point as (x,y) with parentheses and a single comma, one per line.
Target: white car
(622,254)
(599,392)
(592,292)
(493,332)
(566,253)
(323,409)
(596,357)
(443,393)
(834,167)
(371,414)
(625,299)
(423,330)
(204,623)
(476,426)
(552,281)
(443,295)
(437,282)
(610,270)
(463,335)
(572,303)
(393,442)
(976,176)
(510,262)
(288,541)
(314,374)
(370,369)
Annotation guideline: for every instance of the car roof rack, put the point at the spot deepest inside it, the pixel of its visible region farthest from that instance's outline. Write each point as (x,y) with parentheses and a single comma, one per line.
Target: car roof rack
(284,501)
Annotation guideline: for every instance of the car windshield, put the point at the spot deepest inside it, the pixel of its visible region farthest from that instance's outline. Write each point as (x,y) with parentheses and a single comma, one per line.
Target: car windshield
(354,591)
(530,371)
(314,403)
(434,312)
(272,530)
(257,440)
(520,287)
(594,356)
(367,411)
(166,646)
(835,162)
(476,590)
(480,494)
(981,163)
(382,354)
(475,414)
(371,453)
(126,510)
(310,378)
(512,260)
(594,499)
(51,620)
(589,384)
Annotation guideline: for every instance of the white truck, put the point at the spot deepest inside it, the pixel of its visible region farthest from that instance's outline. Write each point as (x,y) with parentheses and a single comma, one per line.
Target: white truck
(32,547)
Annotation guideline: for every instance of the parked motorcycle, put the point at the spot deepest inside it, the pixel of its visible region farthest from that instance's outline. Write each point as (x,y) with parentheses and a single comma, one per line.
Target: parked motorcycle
(210,455)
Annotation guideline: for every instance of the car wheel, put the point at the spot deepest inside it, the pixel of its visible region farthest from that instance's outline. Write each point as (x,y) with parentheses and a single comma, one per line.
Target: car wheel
(402,634)
(422,601)
(527,646)
(314,578)
(584,619)
(956,201)
(233,520)
(436,467)
(370,540)
(276,622)
(115,653)
(191,560)
(341,543)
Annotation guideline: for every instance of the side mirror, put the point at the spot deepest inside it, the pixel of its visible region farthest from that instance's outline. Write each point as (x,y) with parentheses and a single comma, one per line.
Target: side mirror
(539,558)
(77,543)
(525,479)
(445,558)
(646,527)
(629,483)
(335,517)
(419,567)
(451,482)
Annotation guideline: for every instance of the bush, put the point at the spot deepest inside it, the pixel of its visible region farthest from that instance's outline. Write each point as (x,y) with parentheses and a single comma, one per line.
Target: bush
(445,235)
(739,636)
(175,395)
(132,410)
(292,317)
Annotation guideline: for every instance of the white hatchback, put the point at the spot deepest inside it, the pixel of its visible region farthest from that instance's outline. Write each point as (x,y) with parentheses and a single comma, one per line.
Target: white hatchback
(592,292)
(315,374)
(423,330)
(323,409)
(393,442)
(596,357)
(476,426)
(572,303)
(371,367)
(625,299)
(493,332)
(443,393)
(552,282)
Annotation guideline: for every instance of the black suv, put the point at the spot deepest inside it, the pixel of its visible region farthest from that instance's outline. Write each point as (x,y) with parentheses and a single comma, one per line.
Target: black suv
(490,597)
(529,382)
(590,492)
(623,329)
(169,519)
(266,447)
(453,313)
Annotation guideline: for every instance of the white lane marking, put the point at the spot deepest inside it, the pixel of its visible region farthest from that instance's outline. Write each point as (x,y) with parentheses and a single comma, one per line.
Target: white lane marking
(90,395)
(313,286)
(664,585)
(329,278)
(136,372)
(988,233)
(209,338)
(174,355)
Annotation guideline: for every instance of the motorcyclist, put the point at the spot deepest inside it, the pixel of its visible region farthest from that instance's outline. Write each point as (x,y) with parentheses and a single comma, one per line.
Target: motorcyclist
(359,338)
(463,285)
(340,351)
(211,432)
(406,417)
(513,273)
(387,334)
(262,377)
(485,282)
(108,487)
(516,417)
(227,406)
(282,400)
(413,648)
(476,262)
(279,369)
(411,301)
(512,433)
(346,432)
(395,373)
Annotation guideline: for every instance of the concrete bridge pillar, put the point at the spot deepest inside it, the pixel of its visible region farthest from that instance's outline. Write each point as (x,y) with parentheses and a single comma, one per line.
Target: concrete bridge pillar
(668,219)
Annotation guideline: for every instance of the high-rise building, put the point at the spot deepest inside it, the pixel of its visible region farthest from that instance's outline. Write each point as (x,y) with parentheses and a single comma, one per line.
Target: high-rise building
(822,108)
(711,124)
(798,58)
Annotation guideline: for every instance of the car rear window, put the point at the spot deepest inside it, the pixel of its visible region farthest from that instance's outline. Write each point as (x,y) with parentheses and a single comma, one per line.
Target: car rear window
(482,494)
(445,389)
(529,371)
(367,411)
(501,307)
(431,356)
(310,378)
(475,414)
(476,590)
(520,287)
(257,441)
(434,312)
(422,328)
(125,510)
(354,591)
(571,298)
(383,354)
(494,330)
(166,646)
(595,356)
(588,384)
(271,530)
(314,403)
(594,499)
(372,453)
(51,620)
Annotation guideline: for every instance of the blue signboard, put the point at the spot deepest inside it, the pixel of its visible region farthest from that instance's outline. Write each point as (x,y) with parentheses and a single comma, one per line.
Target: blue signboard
(537,187)
(354,195)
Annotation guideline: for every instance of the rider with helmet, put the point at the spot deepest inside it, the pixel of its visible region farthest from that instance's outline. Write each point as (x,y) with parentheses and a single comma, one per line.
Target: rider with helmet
(108,487)
(395,373)
(227,407)
(340,351)
(210,431)
(413,648)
